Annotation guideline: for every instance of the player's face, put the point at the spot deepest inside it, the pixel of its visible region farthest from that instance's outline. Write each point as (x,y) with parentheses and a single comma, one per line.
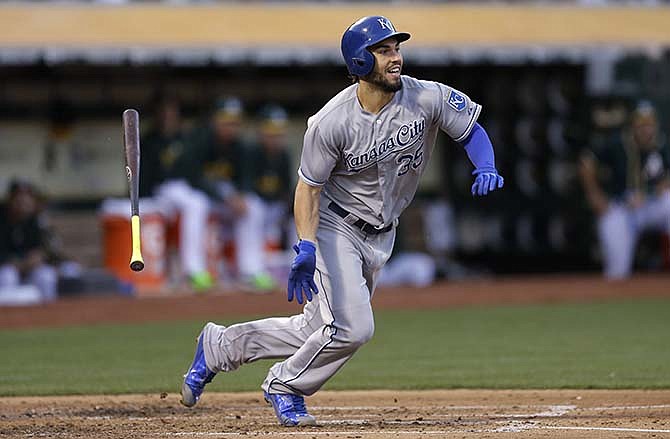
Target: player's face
(170,117)
(644,130)
(226,129)
(23,204)
(388,66)
(272,140)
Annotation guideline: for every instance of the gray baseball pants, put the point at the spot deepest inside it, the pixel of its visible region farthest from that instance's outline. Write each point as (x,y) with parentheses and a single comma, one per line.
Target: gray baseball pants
(316,343)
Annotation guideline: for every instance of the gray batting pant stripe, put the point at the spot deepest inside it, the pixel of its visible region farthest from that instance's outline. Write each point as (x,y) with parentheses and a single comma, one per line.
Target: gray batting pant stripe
(276,386)
(274,383)
(348,261)
(227,348)
(318,342)
(323,354)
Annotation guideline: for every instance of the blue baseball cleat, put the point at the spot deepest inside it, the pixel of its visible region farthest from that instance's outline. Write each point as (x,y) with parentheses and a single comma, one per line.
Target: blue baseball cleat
(196,377)
(290,409)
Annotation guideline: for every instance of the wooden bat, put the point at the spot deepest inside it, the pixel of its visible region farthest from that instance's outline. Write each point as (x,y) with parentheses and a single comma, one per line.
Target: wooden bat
(131,144)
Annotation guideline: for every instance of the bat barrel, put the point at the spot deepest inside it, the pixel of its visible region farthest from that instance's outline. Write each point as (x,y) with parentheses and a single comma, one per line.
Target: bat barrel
(131,140)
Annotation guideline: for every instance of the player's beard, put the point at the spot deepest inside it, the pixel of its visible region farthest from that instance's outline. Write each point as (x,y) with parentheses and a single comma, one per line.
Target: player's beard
(384,84)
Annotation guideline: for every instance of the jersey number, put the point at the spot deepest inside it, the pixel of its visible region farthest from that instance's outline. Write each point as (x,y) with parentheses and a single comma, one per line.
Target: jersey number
(409,160)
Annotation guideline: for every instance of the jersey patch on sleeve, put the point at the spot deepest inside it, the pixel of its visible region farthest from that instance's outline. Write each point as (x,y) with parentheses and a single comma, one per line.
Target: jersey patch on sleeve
(456,101)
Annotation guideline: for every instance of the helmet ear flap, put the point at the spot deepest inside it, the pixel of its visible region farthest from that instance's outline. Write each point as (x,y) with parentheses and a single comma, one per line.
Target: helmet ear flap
(363,63)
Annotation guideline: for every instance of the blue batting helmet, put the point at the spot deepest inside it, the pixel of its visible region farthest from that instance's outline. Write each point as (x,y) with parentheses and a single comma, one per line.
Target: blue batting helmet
(361,35)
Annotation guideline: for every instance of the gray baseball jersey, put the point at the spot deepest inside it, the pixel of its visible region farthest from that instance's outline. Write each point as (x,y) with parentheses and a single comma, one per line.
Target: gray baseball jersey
(370,164)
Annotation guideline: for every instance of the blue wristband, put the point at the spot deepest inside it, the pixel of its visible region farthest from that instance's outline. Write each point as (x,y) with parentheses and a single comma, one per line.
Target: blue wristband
(307,246)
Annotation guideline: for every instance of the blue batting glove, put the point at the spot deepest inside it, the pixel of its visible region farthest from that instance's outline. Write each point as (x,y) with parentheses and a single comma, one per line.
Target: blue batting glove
(301,277)
(487,180)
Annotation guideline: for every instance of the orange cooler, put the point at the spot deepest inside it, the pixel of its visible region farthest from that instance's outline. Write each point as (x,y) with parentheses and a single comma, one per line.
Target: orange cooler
(213,245)
(115,219)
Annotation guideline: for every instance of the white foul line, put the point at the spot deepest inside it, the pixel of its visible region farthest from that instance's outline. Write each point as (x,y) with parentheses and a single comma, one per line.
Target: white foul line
(412,407)
(629,407)
(554,411)
(311,433)
(633,430)
(550,411)
(412,432)
(451,407)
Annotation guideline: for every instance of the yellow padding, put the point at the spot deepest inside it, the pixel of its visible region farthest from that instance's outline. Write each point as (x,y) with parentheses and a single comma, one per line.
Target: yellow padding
(137,246)
(296,24)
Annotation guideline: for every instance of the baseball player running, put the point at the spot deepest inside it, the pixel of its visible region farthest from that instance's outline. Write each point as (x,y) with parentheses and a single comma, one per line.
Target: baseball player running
(362,157)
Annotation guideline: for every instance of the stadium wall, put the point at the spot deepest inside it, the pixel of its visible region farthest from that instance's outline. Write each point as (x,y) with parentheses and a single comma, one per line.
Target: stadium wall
(319,25)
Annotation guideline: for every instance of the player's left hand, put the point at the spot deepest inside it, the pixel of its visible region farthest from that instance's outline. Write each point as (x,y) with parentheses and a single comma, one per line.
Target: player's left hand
(487,180)
(301,277)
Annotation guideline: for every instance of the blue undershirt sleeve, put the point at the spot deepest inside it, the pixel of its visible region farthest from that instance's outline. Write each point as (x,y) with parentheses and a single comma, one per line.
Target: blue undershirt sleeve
(480,150)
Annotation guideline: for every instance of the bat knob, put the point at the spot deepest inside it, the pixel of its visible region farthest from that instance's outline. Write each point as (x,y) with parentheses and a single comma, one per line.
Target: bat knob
(137,265)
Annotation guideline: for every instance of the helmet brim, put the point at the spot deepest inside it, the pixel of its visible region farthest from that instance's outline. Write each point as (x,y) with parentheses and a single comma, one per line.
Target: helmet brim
(399,36)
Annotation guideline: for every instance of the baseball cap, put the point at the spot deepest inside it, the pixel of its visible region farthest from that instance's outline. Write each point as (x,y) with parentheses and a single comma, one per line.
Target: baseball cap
(644,111)
(228,108)
(20,185)
(274,119)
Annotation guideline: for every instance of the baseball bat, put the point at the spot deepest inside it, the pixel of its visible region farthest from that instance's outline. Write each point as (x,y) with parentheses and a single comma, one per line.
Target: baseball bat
(131,143)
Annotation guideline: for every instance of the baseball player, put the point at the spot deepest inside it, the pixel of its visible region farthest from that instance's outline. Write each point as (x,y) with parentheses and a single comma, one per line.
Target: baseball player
(362,157)
(25,246)
(272,175)
(167,169)
(226,176)
(627,184)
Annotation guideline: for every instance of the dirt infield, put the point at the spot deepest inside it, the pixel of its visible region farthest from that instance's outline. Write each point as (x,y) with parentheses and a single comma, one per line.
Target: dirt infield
(526,290)
(369,414)
(377,414)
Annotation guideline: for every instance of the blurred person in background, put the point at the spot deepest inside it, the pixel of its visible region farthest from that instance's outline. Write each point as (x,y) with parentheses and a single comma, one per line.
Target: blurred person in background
(627,184)
(420,263)
(227,177)
(62,153)
(272,174)
(167,170)
(24,243)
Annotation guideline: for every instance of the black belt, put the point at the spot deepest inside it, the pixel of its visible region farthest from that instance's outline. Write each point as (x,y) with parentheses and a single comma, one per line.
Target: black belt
(355,221)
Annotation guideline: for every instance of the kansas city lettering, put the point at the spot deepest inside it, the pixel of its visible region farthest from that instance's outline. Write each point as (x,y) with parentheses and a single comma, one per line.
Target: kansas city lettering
(407,135)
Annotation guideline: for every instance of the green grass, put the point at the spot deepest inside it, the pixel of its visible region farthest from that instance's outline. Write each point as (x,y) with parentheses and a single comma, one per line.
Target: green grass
(623,344)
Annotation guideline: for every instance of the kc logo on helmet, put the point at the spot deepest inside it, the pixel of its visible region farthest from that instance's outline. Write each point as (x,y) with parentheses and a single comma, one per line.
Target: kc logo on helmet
(456,101)
(385,24)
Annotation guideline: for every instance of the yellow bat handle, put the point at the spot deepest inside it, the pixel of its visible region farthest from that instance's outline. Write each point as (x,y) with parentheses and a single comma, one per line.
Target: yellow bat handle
(136,261)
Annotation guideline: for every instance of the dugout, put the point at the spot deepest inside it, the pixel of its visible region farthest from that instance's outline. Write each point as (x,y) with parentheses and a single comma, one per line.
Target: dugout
(76,67)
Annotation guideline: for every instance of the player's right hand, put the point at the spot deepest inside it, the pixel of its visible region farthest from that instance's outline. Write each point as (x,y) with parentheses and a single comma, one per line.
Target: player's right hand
(301,277)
